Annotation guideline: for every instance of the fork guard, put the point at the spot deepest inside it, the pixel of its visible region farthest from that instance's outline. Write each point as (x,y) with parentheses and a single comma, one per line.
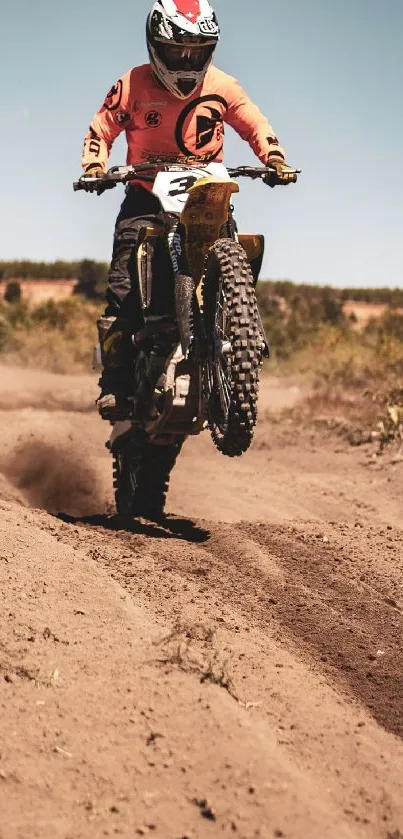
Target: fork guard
(187,310)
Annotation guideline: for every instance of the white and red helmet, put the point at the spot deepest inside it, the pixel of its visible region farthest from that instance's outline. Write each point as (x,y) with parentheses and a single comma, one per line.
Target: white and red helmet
(181,38)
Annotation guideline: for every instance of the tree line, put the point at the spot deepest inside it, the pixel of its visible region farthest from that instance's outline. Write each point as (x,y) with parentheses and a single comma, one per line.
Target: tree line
(92,280)
(91,276)
(392,297)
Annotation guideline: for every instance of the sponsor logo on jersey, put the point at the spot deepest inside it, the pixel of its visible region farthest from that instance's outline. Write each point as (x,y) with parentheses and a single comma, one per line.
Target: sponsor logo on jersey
(153,119)
(209,128)
(206,126)
(122,117)
(114,96)
(151,157)
(93,143)
(138,105)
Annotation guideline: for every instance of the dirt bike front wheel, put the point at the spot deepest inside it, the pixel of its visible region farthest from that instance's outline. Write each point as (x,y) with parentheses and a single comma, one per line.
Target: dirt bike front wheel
(232,324)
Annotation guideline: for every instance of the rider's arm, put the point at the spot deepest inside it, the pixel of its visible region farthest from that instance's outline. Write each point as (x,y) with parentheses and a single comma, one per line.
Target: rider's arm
(107,124)
(251,125)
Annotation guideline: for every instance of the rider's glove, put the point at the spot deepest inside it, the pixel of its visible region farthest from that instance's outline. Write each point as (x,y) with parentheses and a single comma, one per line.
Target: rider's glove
(283,172)
(93,171)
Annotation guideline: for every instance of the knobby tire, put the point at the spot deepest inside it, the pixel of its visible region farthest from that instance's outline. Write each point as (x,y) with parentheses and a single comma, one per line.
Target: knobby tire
(141,473)
(230,307)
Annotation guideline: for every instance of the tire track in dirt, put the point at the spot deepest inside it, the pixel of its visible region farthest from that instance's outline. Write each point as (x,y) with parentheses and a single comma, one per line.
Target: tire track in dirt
(329,603)
(296,639)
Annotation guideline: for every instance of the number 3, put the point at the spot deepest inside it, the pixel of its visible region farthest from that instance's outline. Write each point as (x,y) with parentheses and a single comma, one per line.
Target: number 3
(183,185)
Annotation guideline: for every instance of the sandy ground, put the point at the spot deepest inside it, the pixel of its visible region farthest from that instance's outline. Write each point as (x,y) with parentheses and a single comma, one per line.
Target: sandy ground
(237,672)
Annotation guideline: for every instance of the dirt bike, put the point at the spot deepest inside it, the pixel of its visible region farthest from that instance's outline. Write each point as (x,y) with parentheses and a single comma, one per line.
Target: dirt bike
(201,342)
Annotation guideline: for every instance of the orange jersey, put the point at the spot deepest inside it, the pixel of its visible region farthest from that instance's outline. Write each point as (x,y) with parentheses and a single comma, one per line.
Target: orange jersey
(159,125)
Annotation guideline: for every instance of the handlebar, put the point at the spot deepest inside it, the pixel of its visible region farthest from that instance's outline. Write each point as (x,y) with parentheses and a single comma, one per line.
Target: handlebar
(148,172)
(255,172)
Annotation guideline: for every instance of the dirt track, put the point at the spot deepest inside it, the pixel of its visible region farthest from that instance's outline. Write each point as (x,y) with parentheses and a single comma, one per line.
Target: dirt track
(235,673)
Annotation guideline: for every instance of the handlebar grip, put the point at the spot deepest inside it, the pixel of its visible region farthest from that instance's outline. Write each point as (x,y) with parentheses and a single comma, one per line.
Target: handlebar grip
(97,185)
(86,186)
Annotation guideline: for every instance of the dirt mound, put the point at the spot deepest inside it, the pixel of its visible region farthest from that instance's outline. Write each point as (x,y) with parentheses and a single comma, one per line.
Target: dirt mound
(177,688)
(232,671)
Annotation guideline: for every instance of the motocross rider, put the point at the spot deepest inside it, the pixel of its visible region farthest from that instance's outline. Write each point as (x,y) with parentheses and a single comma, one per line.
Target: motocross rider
(173,108)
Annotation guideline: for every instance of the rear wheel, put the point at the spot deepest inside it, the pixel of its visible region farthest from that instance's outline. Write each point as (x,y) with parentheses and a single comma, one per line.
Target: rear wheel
(141,473)
(232,325)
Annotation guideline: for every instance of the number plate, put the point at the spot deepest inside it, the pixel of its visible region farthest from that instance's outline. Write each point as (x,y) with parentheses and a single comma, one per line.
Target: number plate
(172,187)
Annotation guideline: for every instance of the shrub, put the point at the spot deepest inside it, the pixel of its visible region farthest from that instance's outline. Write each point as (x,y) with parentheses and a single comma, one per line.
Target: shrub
(293,319)
(92,279)
(12,293)
(6,335)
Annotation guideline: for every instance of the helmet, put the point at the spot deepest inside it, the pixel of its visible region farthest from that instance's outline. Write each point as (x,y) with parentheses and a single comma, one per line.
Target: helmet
(181,38)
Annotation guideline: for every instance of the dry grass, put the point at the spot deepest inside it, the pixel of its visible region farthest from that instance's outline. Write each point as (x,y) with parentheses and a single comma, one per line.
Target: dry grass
(54,336)
(355,376)
(357,383)
(342,356)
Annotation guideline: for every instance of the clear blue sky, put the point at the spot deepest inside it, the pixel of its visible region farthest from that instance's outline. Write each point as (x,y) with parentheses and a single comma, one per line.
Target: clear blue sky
(328,75)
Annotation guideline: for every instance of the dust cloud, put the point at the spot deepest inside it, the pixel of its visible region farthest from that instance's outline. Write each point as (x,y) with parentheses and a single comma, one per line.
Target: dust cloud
(52,478)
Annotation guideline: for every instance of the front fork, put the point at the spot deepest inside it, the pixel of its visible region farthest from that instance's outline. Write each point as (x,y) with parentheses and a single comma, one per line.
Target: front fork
(187,309)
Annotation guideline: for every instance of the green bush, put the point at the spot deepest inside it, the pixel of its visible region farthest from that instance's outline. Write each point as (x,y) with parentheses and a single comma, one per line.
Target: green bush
(92,279)
(292,319)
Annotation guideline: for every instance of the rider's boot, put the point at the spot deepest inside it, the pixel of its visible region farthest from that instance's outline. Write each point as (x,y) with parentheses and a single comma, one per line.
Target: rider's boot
(116,382)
